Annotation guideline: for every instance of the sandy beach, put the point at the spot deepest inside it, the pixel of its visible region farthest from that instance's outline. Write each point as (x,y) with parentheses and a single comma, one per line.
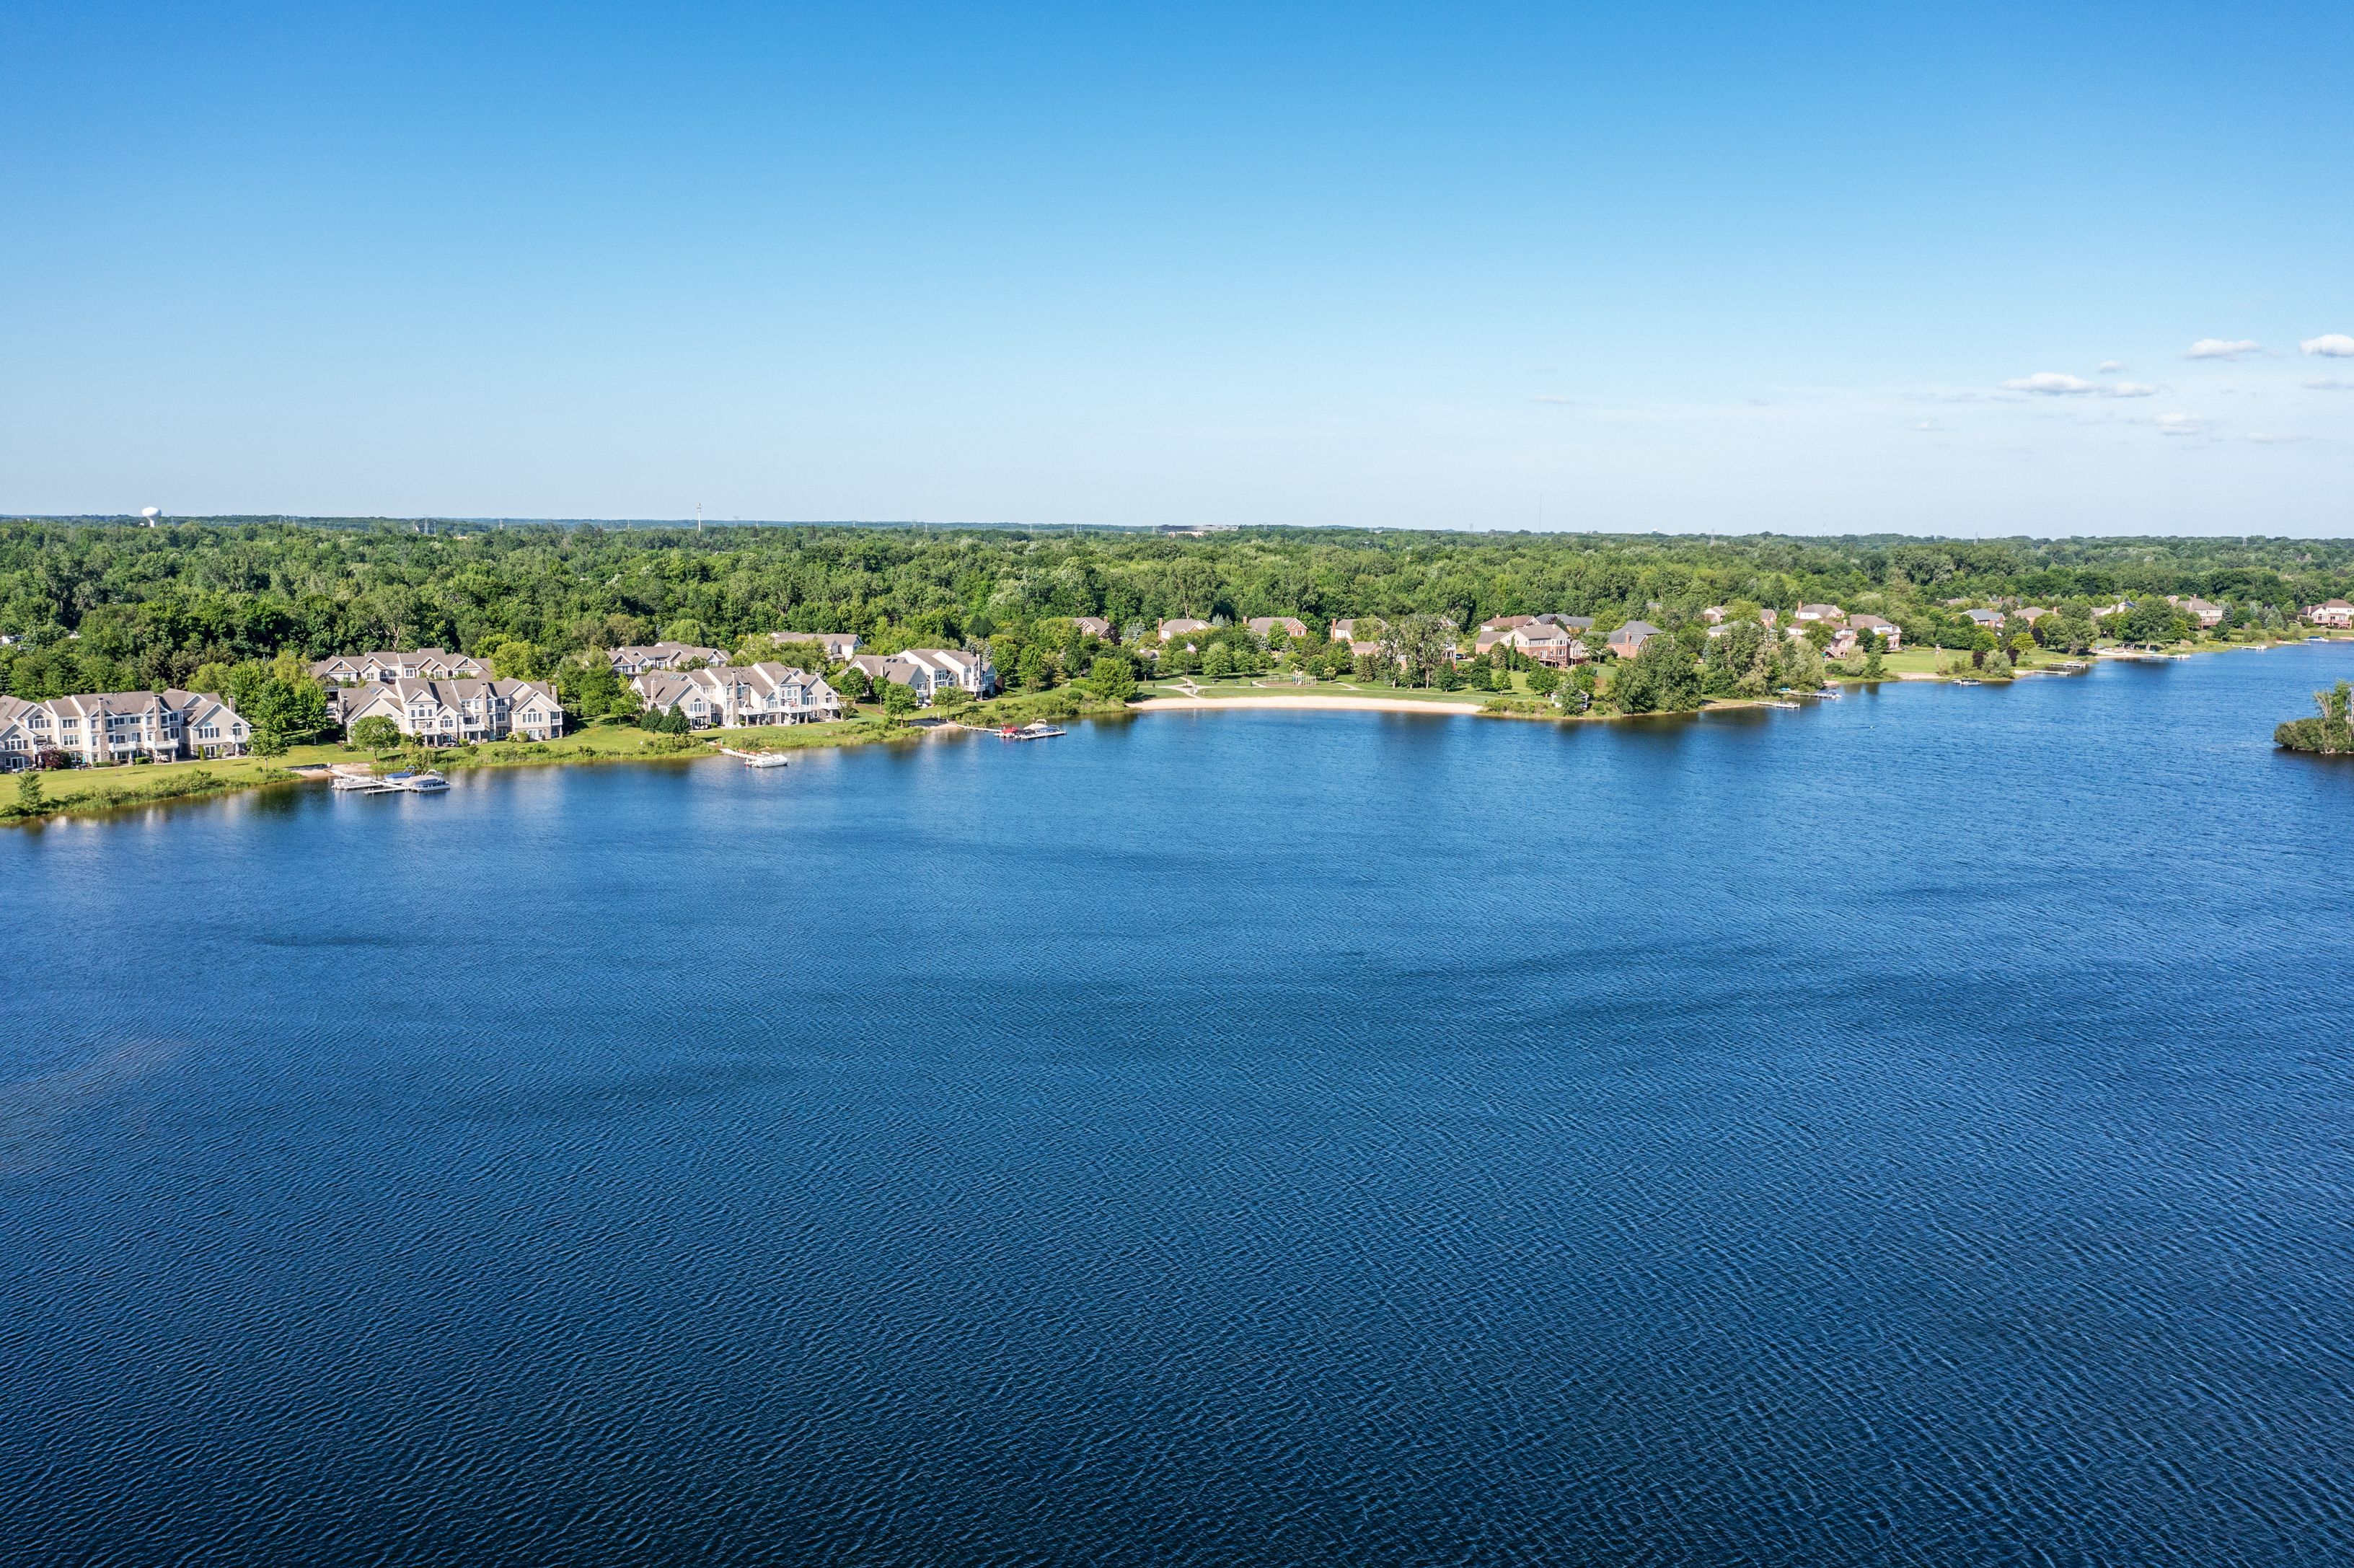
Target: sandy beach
(1306,700)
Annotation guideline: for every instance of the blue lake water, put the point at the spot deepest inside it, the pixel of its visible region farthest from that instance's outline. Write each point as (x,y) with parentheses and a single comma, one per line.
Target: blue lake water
(1919,1128)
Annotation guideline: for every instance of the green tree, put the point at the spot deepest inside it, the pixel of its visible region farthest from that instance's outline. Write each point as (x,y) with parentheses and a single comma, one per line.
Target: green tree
(1112,677)
(28,793)
(898,699)
(512,659)
(376,733)
(851,682)
(1663,678)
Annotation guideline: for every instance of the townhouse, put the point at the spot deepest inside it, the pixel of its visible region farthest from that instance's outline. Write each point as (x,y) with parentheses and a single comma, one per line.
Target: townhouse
(637,659)
(734,696)
(416,665)
(460,711)
(836,646)
(927,670)
(99,728)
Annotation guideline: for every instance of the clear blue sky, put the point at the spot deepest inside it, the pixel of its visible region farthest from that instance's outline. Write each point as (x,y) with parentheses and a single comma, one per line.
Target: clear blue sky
(1706,267)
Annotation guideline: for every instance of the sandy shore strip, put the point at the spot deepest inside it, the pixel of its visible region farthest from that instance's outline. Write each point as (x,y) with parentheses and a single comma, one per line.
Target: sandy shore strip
(1305,700)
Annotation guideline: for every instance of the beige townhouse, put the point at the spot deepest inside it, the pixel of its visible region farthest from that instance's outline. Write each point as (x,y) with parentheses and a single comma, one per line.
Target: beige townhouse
(734,696)
(460,712)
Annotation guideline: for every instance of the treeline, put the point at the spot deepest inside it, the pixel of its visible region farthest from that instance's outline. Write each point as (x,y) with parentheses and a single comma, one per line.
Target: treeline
(105,606)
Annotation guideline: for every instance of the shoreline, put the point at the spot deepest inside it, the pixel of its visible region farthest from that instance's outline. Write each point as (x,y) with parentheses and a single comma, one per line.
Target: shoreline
(221,778)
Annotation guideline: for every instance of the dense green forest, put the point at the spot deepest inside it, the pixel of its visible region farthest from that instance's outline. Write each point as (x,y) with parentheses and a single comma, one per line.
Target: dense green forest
(110,605)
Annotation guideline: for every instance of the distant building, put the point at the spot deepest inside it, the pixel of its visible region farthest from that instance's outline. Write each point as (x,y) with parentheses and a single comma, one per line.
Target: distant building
(1989,619)
(1267,625)
(1182,626)
(2331,612)
(637,659)
(1092,626)
(460,712)
(1865,625)
(1630,640)
(738,696)
(416,665)
(99,728)
(1830,614)
(838,645)
(2199,610)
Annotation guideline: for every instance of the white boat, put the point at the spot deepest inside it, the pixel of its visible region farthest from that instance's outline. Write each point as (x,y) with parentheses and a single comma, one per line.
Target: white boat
(417,783)
(768,759)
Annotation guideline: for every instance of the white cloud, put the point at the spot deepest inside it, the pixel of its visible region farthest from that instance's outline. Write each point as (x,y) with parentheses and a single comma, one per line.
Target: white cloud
(2270,438)
(1549,397)
(2183,425)
(2052,384)
(2331,385)
(1926,425)
(2111,366)
(2222,349)
(2049,384)
(2335,344)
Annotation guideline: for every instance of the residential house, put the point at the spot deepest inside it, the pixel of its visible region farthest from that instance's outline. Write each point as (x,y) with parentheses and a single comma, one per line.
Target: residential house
(1629,639)
(2199,609)
(1866,625)
(837,645)
(99,728)
(1265,626)
(1543,638)
(460,711)
(737,696)
(2331,612)
(925,671)
(17,748)
(636,659)
(417,663)
(1092,626)
(1499,628)
(1713,615)
(1182,626)
(2029,613)
(1830,614)
(1989,619)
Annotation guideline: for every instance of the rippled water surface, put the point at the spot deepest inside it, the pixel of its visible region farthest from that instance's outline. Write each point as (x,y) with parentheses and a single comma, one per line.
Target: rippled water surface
(1915,1130)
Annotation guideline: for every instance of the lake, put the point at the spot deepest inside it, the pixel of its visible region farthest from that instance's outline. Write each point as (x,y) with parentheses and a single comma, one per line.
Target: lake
(1918,1128)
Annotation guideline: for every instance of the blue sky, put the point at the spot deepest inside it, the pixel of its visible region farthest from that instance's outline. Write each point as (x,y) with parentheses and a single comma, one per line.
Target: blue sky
(1702,267)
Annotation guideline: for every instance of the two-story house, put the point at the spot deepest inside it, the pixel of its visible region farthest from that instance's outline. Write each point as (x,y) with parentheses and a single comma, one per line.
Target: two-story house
(733,696)
(97,728)
(461,713)
(639,658)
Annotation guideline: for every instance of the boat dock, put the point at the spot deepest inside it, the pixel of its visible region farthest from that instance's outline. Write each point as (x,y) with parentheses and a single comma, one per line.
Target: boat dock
(352,780)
